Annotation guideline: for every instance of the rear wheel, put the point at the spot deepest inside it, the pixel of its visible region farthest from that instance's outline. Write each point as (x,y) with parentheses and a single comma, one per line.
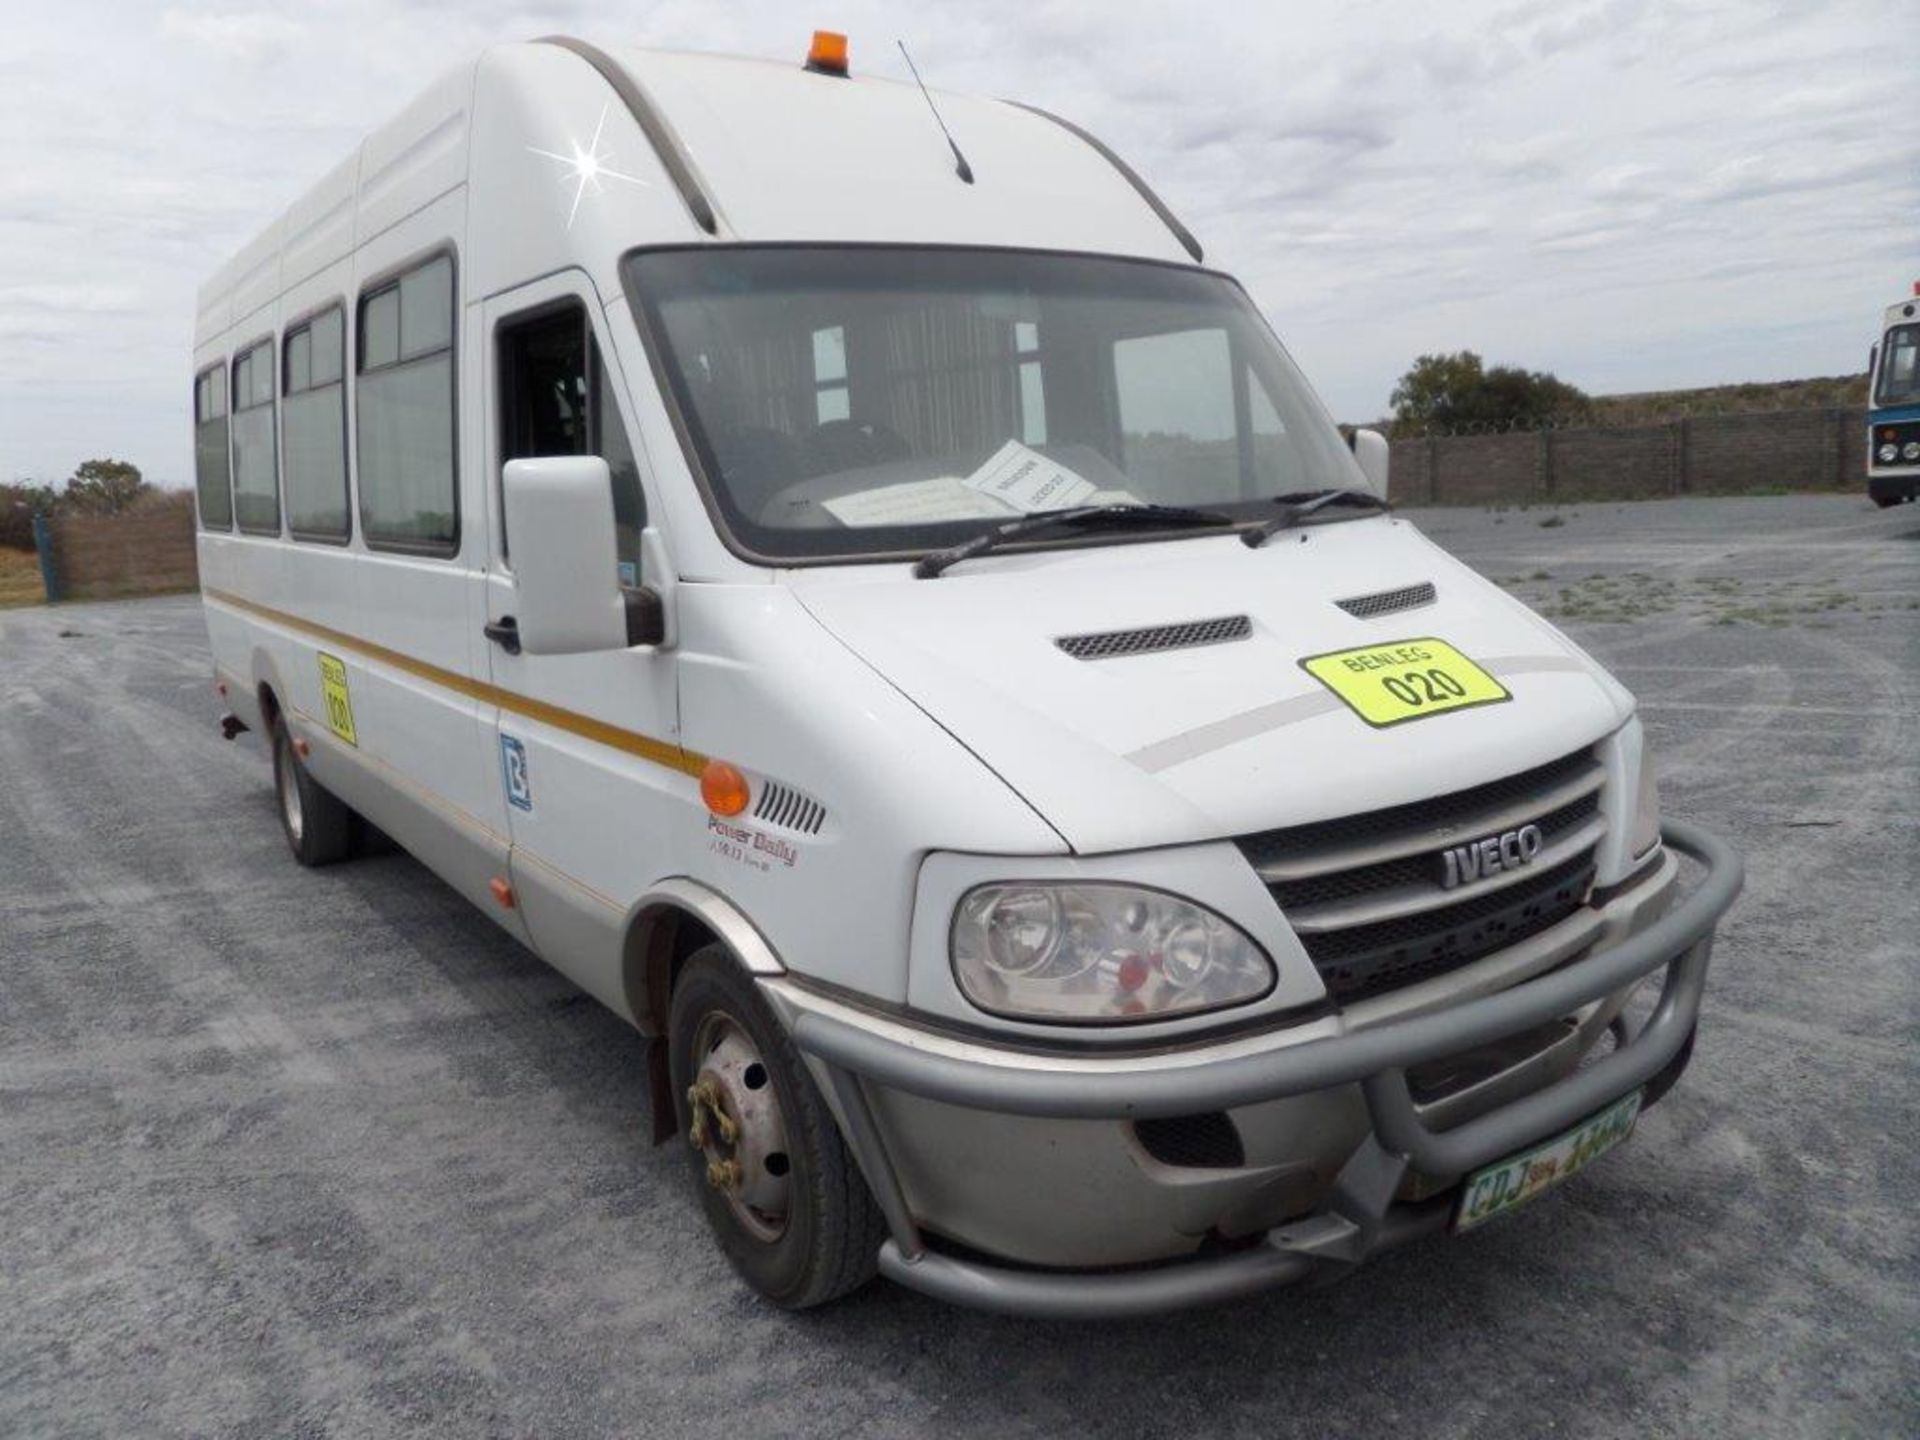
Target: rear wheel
(785,1199)
(318,826)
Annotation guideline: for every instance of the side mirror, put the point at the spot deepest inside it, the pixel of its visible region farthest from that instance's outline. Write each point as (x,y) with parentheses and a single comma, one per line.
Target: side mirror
(1370,449)
(567,596)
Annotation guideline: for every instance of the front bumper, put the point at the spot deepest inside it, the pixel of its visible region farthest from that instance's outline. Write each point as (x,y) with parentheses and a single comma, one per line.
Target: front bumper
(1360,1216)
(1888,486)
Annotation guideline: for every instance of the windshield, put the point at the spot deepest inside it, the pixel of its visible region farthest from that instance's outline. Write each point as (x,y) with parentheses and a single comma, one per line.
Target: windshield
(854,402)
(1899,367)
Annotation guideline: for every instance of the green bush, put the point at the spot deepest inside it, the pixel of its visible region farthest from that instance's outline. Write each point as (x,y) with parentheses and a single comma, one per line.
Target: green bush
(96,487)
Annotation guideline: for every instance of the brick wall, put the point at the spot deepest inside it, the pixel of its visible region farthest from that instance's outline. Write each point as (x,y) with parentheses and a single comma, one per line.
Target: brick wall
(1478,469)
(142,552)
(1821,449)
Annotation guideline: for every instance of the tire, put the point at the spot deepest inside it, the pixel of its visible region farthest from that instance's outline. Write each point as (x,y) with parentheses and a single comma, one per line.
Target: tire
(826,1242)
(318,826)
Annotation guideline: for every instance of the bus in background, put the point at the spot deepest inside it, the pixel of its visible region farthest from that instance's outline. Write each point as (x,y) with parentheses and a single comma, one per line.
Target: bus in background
(1893,414)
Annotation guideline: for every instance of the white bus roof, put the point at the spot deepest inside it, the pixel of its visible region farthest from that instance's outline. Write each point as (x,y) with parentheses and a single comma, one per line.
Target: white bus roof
(739,151)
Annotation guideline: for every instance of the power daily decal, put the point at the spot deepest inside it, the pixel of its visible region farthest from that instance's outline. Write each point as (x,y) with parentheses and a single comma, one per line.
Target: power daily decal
(333,690)
(1404,680)
(744,845)
(514,774)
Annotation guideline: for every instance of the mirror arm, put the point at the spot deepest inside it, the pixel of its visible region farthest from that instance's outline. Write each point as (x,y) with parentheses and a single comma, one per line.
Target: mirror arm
(646,616)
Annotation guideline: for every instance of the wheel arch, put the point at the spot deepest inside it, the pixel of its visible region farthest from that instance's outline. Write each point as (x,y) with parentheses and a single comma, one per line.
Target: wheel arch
(268,693)
(672,921)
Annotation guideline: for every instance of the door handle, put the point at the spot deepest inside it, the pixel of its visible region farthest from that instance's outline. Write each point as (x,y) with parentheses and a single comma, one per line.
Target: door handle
(504,632)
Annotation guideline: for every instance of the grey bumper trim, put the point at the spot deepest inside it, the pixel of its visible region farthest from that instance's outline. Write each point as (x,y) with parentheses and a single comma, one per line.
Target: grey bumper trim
(1376,1059)
(1120,1294)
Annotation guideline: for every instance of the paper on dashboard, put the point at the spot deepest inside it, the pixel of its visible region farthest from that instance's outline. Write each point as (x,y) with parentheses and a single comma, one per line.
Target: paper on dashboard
(917,502)
(1026,480)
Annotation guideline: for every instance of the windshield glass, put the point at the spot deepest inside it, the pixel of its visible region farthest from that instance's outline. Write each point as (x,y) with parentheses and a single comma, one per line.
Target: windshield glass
(862,401)
(1900,367)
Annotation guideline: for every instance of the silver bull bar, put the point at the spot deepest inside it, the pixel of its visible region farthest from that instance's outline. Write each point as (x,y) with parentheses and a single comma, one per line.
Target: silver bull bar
(1360,1218)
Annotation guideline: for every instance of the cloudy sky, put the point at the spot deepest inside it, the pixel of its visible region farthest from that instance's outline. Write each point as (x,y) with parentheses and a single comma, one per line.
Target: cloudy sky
(1635,194)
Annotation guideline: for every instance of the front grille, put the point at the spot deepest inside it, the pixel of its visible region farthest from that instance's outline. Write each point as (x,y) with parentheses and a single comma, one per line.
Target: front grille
(1111,644)
(1365,895)
(1389,602)
(1414,869)
(1373,959)
(1440,813)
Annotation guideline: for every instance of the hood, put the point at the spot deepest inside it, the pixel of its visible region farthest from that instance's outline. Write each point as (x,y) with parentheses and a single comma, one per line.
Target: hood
(1208,740)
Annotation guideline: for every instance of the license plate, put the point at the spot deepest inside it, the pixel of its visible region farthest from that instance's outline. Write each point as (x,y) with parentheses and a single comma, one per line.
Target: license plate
(1404,680)
(1512,1182)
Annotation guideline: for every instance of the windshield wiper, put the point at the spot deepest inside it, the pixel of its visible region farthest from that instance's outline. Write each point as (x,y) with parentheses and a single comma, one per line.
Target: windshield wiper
(1301,503)
(1080,517)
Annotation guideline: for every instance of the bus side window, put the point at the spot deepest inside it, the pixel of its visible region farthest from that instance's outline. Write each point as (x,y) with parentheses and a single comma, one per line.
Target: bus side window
(555,399)
(212,461)
(313,424)
(404,413)
(256,471)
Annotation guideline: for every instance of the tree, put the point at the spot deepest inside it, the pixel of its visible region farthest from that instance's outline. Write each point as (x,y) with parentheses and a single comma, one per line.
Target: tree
(104,487)
(1443,393)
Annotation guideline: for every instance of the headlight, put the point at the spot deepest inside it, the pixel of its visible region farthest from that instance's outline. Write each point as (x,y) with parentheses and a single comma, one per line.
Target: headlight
(1910,450)
(1100,954)
(1645,833)
(1888,453)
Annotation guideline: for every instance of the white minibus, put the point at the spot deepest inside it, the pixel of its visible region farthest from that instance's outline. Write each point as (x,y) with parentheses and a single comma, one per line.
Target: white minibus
(829,567)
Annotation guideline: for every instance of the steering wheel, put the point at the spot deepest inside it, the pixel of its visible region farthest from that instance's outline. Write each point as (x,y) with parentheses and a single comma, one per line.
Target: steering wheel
(852,445)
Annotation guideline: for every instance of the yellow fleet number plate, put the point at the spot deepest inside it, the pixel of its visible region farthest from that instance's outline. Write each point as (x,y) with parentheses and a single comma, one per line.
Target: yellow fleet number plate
(1404,680)
(339,703)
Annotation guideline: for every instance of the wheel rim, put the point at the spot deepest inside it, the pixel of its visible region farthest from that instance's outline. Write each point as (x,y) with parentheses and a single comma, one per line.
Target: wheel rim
(290,810)
(737,1125)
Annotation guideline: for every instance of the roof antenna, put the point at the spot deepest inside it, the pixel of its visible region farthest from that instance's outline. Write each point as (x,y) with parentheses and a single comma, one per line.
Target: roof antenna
(960,166)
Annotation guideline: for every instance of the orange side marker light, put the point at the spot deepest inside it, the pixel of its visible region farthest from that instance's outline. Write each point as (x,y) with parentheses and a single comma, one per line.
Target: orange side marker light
(723,788)
(502,892)
(302,748)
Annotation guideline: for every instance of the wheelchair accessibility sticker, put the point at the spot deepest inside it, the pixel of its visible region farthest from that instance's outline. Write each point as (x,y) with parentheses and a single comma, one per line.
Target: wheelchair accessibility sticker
(513,769)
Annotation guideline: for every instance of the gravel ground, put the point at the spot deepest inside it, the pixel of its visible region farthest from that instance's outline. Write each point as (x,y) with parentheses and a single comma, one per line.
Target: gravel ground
(299,1153)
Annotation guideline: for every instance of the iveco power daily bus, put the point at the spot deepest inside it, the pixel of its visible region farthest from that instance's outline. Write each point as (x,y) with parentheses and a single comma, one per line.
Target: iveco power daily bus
(879,614)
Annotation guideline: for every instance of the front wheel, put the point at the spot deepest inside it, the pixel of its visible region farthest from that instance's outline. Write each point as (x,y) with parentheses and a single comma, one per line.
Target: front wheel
(785,1199)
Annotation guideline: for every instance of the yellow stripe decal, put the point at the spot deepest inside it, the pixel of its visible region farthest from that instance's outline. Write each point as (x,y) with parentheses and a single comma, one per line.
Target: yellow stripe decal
(660,752)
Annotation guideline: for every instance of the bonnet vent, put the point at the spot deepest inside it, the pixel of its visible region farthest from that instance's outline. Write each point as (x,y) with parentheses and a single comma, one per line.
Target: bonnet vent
(1386,602)
(1111,644)
(781,805)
